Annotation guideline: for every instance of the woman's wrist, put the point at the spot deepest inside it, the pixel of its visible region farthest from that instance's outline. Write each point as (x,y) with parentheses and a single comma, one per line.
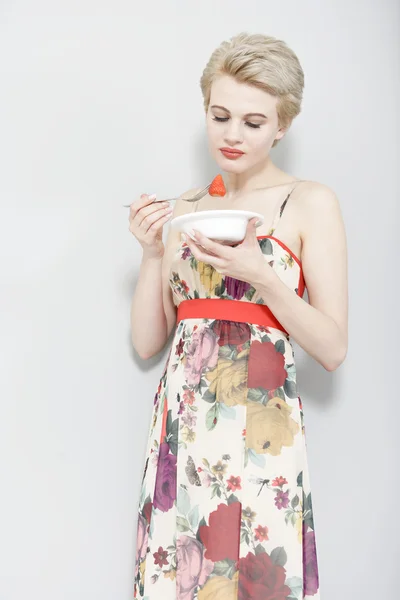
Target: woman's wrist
(266,280)
(152,255)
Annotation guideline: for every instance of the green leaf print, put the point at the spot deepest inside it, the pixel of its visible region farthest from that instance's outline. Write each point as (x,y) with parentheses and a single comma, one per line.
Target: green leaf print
(232,498)
(224,567)
(280,346)
(279,556)
(193,263)
(257,459)
(250,293)
(291,371)
(228,412)
(295,501)
(215,490)
(173,445)
(183,501)
(307,510)
(182,524)
(300,479)
(296,586)
(193,517)
(266,246)
(279,393)
(151,528)
(196,294)
(225,351)
(212,417)
(290,388)
(256,394)
(142,495)
(208,396)
(201,524)
(259,548)
(220,288)
(172,428)
(244,536)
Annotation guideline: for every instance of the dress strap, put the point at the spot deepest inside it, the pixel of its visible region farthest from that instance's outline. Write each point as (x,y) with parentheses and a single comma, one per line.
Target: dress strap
(280,211)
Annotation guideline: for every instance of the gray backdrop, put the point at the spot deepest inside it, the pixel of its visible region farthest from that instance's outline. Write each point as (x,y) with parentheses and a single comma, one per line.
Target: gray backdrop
(90,89)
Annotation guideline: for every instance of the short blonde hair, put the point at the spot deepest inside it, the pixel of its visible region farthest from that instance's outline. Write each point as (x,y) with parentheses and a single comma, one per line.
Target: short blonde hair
(264,62)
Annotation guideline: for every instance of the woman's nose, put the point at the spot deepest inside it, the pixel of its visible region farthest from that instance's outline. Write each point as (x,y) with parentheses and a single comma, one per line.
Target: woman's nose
(233,134)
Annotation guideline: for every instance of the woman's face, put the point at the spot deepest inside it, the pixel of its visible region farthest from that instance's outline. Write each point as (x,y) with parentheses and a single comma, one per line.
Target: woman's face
(253,134)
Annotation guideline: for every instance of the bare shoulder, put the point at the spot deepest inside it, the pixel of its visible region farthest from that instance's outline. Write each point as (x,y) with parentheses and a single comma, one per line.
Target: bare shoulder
(314,193)
(316,202)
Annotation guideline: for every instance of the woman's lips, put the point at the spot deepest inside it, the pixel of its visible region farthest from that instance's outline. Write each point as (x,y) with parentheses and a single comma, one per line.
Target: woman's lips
(232,154)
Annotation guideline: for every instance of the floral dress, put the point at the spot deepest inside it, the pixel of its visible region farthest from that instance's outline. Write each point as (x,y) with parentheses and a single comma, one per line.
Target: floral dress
(225,510)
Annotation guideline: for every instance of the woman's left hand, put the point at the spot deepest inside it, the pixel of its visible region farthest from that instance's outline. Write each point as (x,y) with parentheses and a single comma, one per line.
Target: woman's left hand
(244,262)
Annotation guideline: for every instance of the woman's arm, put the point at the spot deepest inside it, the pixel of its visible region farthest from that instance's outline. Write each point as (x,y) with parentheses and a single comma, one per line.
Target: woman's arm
(153,313)
(319,327)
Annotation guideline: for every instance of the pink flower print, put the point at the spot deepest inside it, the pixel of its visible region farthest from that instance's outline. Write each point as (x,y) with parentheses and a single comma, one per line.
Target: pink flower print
(141,545)
(202,353)
(189,418)
(160,557)
(282,499)
(193,568)
(233,483)
(188,397)
(278,481)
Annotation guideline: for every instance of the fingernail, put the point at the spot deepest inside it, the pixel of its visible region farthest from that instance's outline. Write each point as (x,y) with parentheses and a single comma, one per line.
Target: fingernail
(153,197)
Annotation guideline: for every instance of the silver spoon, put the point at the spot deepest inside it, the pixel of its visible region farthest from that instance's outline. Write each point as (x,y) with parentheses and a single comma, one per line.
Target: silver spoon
(195,198)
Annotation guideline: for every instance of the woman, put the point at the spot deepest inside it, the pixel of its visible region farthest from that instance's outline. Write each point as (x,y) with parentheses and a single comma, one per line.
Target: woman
(225,509)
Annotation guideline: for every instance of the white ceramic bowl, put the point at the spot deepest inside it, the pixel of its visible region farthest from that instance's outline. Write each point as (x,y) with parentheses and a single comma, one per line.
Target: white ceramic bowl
(223,225)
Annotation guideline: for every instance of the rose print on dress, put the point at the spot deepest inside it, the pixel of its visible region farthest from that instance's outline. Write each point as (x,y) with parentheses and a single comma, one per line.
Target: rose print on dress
(194,567)
(165,488)
(201,354)
(225,510)
(270,427)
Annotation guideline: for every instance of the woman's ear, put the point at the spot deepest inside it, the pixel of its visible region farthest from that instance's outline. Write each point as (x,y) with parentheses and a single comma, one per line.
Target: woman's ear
(281,132)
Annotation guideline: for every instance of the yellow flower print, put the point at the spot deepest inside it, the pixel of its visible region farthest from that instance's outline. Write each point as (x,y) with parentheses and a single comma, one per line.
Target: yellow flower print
(187,434)
(287,261)
(219,469)
(228,380)
(220,588)
(170,574)
(270,427)
(248,514)
(209,277)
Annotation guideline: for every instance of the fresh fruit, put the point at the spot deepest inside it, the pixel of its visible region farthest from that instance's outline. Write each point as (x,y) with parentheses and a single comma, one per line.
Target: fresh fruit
(217,187)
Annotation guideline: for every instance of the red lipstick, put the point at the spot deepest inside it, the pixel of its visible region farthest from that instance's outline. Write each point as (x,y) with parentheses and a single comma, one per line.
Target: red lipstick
(231,152)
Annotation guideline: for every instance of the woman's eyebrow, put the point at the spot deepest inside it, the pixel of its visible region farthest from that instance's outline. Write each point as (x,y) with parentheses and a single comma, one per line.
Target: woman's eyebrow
(247,115)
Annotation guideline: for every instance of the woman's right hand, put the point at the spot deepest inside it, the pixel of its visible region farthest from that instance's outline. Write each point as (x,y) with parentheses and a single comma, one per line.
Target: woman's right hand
(146,221)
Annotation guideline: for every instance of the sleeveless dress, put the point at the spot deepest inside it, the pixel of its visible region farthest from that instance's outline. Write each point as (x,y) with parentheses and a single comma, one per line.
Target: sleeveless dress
(225,510)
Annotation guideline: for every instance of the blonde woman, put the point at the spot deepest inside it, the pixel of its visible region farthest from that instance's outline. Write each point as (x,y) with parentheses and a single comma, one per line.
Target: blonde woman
(225,509)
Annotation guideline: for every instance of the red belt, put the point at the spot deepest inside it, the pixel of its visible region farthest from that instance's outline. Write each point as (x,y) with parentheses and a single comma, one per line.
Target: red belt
(228,310)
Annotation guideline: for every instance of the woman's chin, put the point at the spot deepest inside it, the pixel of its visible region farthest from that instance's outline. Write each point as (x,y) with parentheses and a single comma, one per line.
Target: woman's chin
(229,166)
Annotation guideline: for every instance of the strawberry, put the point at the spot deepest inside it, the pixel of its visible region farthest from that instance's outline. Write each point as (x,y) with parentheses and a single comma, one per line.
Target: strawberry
(217,187)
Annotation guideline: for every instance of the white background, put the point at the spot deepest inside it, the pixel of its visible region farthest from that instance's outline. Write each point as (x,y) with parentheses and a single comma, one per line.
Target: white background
(100,101)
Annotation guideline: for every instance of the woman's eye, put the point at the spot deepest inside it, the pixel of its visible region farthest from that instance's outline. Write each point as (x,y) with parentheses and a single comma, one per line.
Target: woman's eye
(221,119)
